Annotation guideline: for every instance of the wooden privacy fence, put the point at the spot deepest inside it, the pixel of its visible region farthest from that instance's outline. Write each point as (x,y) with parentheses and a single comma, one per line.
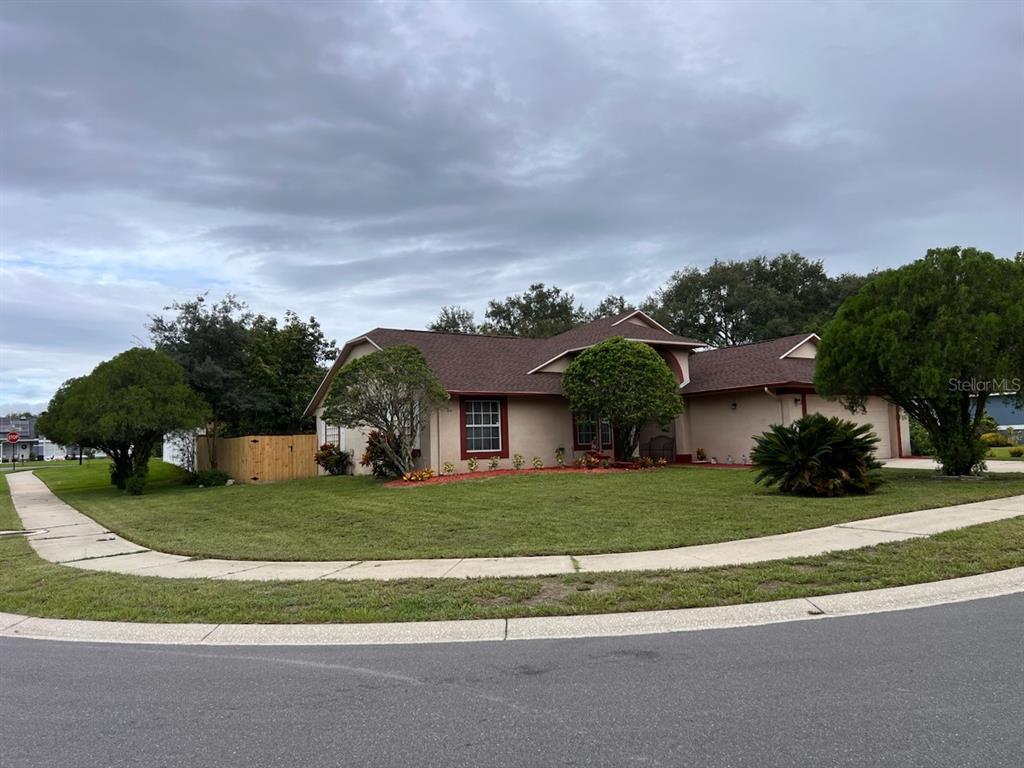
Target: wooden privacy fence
(260,458)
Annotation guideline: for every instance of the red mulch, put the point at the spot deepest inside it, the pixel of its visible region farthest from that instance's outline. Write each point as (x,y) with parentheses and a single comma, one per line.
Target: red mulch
(440,479)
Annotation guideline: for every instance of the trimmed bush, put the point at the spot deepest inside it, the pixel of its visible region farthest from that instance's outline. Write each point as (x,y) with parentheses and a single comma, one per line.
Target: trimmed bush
(1017,451)
(817,456)
(995,440)
(210,477)
(377,458)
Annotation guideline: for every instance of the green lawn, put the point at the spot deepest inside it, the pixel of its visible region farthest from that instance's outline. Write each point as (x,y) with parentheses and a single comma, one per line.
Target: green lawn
(1003,454)
(347,518)
(29,585)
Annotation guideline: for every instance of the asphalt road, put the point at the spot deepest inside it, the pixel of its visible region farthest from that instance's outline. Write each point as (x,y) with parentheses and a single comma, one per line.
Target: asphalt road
(930,687)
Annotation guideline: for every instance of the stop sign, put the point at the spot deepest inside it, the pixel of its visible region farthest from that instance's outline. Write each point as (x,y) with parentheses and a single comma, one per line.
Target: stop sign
(13,437)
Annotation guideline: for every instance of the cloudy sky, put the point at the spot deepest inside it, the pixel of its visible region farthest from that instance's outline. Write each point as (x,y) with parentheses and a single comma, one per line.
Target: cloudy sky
(367,163)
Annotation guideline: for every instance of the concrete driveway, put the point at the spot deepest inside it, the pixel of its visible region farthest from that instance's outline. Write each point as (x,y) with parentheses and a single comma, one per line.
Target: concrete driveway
(993,466)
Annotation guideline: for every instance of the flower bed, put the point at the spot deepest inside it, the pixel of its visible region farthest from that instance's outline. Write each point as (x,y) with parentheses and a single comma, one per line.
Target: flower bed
(440,479)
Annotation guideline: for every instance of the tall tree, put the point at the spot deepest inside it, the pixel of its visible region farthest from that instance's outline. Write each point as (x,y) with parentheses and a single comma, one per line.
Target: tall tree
(256,374)
(392,391)
(610,306)
(539,312)
(736,302)
(454,319)
(626,383)
(935,337)
(124,407)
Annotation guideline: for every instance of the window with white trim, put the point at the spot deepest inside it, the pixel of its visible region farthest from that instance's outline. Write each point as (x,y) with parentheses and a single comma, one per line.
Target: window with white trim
(483,426)
(332,434)
(587,429)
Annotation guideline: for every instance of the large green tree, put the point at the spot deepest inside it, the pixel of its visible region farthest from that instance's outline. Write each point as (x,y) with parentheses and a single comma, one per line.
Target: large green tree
(454,319)
(935,337)
(256,374)
(392,391)
(124,408)
(626,383)
(538,312)
(737,302)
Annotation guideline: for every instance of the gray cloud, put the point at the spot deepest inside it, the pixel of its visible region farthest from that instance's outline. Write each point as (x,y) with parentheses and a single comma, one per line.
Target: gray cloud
(368,162)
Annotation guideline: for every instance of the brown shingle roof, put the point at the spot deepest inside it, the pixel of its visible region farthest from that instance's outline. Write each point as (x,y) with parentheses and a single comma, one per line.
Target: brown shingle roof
(502,364)
(749,365)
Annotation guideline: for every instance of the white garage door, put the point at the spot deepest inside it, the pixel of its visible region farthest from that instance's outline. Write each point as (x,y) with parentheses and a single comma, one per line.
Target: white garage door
(877,416)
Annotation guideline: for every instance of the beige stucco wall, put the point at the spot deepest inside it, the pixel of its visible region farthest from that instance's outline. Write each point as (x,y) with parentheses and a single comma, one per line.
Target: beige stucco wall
(709,422)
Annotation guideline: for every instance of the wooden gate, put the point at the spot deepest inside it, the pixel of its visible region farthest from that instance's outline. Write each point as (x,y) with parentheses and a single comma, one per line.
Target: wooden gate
(260,458)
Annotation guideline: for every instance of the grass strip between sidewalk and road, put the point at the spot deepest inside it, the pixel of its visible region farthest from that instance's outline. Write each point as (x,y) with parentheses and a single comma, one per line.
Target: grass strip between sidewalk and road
(32,586)
(356,518)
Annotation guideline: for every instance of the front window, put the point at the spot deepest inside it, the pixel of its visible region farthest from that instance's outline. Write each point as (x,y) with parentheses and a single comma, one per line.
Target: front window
(587,429)
(483,426)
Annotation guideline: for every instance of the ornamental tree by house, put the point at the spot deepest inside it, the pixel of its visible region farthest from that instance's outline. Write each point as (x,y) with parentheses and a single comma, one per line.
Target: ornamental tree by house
(124,407)
(391,391)
(625,382)
(936,338)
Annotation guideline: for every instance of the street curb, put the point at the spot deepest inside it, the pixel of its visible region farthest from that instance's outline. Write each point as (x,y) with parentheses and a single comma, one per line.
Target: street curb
(984,585)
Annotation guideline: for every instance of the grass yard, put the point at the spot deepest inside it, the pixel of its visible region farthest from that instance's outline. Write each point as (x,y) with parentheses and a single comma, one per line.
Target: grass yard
(1003,454)
(29,585)
(349,518)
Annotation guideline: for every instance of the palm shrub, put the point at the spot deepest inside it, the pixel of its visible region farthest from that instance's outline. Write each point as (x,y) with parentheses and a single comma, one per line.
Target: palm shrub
(817,456)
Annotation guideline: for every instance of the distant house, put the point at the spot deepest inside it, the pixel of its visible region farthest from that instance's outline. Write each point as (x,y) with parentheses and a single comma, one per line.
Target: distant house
(1003,408)
(506,395)
(30,444)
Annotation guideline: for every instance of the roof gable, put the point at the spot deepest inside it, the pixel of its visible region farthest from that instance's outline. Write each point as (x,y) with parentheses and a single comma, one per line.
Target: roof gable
(747,366)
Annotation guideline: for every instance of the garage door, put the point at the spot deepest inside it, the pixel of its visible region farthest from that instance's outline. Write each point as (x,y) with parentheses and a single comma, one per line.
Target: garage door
(877,416)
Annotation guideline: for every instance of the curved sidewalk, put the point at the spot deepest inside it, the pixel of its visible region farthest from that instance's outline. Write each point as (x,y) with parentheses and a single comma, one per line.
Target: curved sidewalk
(64,535)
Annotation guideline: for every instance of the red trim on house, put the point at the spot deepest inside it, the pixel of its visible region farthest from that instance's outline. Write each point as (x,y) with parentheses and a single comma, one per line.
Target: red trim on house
(577,446)
(803,402)
(503,409)
(673,363)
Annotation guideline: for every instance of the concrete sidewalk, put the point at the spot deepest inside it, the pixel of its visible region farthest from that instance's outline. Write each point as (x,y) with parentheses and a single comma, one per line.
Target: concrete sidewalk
(64,535)
(540,628)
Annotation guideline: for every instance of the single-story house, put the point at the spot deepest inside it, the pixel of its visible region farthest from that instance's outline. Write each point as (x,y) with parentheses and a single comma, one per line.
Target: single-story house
(506,396)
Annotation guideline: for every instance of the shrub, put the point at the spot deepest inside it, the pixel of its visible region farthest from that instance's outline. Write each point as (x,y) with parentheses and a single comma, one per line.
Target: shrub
(995,440)
(418,475)
(493,462)
(473,464)
(377,458)
(135,485)
(518,461)
(1017,451)
(448,468)
(210,477)
(559,457)
(702,455)
(645,462)
(537,463)
(662,462)
(817,456)
(592,460)
(920,441)
(334,460)
(579,462)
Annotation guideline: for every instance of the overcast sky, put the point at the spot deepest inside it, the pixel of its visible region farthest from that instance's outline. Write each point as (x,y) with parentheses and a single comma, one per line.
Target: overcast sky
(367,163)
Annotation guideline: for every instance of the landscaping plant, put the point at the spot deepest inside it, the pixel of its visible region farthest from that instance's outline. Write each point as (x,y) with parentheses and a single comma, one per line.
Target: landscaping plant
(626,383)
(448,468)
(377,458)
(391,391)
(473,464)
(492,463)
(518,461)
(560,457)
(334,460)
(817,456)
(537,463)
